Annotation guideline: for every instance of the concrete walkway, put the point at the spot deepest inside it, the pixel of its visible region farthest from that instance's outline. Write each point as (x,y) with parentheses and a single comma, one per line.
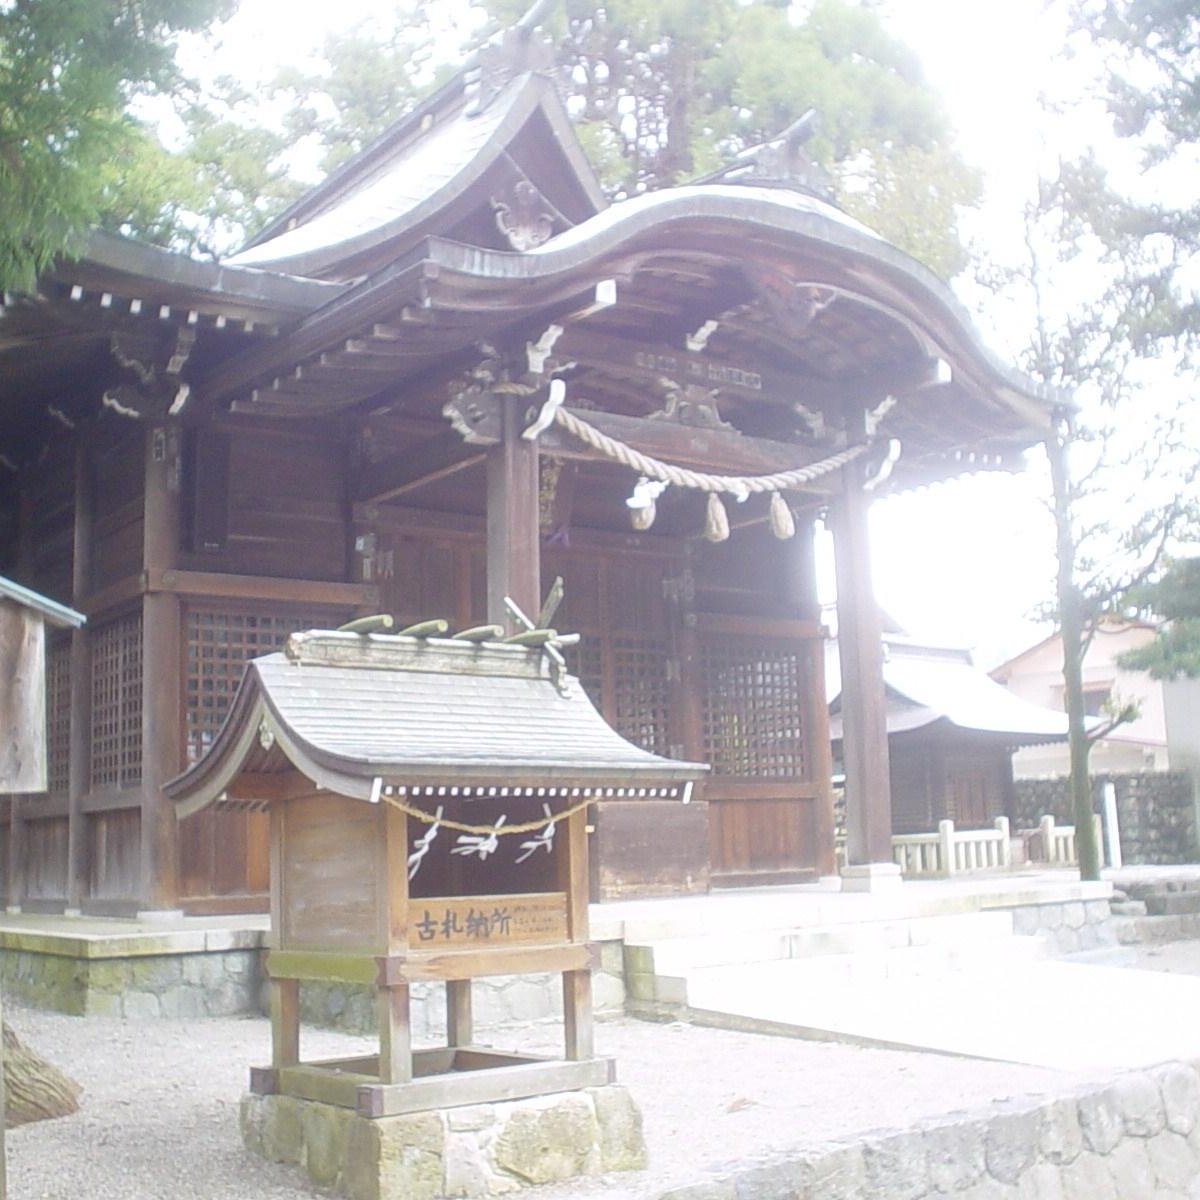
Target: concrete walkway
(924,968)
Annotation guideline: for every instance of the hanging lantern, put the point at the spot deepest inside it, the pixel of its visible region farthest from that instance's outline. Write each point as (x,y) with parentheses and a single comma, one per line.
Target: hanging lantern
(783,524)
(716,522)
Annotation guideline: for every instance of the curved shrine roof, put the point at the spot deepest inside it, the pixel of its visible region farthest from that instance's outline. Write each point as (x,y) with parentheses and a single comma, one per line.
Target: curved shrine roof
(346,708)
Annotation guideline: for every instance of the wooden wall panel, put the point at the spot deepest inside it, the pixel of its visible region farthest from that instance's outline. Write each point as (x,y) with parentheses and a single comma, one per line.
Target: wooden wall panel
(45,843)
(286,513)
(117,508)
(49,507)
(114,854)
(329,893)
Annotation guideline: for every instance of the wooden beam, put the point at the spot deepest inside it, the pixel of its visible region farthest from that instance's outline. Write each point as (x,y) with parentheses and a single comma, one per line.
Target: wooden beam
(80,737)
(745,378)
(162,669)
(715,450)
(260,587)
(864,711)
(442,456)
(513,535)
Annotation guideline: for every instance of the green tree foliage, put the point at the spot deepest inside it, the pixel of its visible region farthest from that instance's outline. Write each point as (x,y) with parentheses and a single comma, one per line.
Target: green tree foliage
(664,90)
(1175,597)
(68,69)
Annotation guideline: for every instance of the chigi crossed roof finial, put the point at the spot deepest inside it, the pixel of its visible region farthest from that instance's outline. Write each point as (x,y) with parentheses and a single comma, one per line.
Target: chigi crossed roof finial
(505,55)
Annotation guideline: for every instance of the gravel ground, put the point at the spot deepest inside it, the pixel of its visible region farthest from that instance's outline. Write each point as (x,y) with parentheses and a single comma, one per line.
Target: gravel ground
(159,1115)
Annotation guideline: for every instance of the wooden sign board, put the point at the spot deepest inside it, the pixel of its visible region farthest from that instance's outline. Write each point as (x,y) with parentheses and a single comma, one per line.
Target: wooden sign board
(22,699)
(487,920)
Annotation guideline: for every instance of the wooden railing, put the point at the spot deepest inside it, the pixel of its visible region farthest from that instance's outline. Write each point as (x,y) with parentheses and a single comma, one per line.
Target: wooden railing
(950,851)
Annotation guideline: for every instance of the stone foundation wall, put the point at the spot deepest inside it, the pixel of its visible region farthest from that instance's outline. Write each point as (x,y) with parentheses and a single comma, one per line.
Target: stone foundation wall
(473,1151)
(1155,810)
(1136,1139)
(1069,927)
(214,983)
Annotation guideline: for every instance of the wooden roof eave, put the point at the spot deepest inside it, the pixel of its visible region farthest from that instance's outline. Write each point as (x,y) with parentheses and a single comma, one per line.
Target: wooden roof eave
(686,216)
(253,716)
(137,270)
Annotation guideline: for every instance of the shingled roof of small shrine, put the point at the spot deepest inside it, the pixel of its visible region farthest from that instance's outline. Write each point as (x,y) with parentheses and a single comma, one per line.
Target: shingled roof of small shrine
(347,708)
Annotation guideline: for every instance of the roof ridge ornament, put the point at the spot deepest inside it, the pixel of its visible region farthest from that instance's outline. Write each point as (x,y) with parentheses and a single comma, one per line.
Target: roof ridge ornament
(781,162)
(507,54)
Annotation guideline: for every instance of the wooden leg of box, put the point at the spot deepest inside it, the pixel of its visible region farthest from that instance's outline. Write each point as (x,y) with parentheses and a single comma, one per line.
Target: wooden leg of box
(285,1022)
(395,1035)
(460,1024)
(577,1014)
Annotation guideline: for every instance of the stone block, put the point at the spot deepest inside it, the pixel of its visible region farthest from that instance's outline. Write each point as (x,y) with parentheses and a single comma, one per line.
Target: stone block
(409,1157)
(1042,1181)
(140,1006)
(622,1141)
(716,1189)
(467,1172)
(1088,1178)
(1173,1161)
(155,973)
(839,1174)
(608,993)
(895,1167)
(1180,1088)
(1132,1174)
(1074,915)
(1010,1146)
(1060,1139)
(1100,1121)
(324,1128)
(108,975)
(1140,1104)
(470,1118)
(955,1155)
(548,1140)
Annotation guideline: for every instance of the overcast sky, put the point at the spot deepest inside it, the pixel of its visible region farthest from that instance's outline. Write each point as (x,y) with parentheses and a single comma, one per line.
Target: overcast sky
(965,562)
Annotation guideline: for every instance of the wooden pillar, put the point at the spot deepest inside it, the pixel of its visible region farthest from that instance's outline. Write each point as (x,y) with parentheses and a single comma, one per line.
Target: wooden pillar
(162,685)
(513,537)
(860,648)
(80,739)
(577,985)
(818,753)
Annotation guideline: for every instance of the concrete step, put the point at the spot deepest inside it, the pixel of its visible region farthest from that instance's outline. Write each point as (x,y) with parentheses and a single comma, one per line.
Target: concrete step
(1172,904)
(678,955)
(1174,927)
(661,977)
(1046,1013)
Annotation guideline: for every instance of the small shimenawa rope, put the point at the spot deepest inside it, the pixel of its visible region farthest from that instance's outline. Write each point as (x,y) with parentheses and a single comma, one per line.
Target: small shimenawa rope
(734,485)
(503,831)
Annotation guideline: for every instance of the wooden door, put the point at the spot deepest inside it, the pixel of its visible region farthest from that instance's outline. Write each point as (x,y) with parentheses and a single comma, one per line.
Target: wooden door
(758,731)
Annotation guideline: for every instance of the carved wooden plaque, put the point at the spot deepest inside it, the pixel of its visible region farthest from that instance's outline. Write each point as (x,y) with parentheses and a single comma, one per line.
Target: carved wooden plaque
(487,920)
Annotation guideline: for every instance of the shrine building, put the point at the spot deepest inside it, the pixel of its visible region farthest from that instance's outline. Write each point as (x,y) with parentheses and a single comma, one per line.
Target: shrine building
(448,376)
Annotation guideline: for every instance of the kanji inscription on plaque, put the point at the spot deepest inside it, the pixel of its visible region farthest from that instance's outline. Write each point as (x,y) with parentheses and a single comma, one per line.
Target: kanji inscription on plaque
(479,920)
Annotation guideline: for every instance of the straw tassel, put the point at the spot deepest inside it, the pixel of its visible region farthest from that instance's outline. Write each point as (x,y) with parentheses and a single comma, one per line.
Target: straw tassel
(716,522)
(642,518)
(783,524)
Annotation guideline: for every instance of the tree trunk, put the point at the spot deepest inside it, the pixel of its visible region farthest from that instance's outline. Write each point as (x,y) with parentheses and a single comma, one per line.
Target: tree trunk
(1071,625)
(35,1089)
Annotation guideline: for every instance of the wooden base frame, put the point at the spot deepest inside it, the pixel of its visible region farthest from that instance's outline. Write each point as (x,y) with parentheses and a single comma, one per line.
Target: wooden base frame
(443,1078)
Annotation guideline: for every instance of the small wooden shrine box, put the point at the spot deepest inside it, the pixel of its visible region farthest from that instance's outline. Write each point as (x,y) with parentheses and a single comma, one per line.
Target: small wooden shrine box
(428,802)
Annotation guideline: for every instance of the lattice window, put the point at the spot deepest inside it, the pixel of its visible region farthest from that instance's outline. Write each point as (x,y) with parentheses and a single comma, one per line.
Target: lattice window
(117,702)
(641,695)
(219,644)
(58,715)
(753,707)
